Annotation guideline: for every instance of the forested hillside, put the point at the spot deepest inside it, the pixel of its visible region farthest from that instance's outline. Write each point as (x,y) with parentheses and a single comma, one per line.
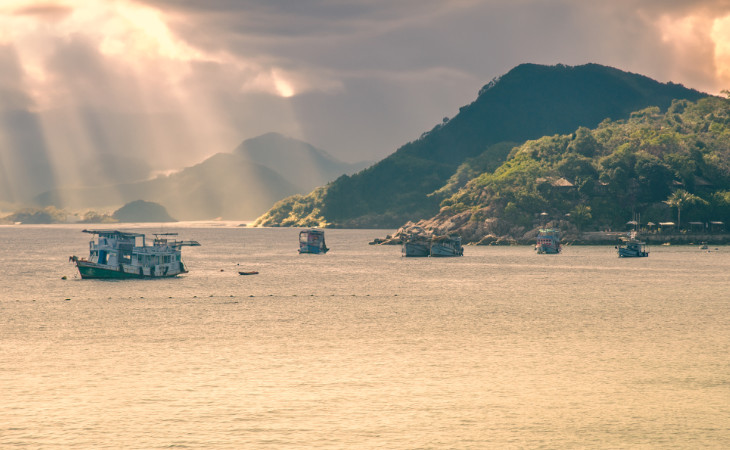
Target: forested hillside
(528,102)
(672,166)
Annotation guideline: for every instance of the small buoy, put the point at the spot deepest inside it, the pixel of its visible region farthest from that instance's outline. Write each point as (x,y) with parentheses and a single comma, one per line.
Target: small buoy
(222,270)
(68,299)
(64,277)
(251,295)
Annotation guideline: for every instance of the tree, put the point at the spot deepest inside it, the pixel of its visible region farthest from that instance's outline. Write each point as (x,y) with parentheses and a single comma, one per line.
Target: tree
(681,198)
(581,215)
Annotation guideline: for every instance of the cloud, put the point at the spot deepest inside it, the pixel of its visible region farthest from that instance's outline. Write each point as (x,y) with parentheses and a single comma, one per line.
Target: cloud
(174,81)
(45,11)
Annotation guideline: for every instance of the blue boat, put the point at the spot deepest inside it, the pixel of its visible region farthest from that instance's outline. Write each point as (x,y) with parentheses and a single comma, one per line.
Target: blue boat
(630,247)
(548,241)
(446,246)
(416,244)
(312,241)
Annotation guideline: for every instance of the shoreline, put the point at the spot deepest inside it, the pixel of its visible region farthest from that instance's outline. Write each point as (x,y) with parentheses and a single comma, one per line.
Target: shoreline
(596,238)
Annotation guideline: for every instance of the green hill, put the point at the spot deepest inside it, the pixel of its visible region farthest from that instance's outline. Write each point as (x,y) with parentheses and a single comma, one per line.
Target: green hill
(528,102)
(661,167)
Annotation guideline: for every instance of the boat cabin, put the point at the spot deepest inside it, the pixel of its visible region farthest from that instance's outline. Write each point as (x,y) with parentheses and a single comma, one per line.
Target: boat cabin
(312,241)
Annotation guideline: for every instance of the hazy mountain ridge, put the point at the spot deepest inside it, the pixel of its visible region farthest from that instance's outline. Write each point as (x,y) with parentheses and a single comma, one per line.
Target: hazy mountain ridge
(239,186)
(528,102)
(300,163)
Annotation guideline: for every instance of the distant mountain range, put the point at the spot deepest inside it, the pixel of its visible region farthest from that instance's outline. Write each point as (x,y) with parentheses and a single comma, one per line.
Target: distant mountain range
(528,102)
(238,186)
(303,165)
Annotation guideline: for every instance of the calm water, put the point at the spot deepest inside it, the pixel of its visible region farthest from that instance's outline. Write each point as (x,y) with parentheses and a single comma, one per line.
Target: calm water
(361,348)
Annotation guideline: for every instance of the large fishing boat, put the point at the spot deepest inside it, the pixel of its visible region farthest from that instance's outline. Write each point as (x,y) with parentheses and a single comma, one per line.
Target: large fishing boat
(548,241)
(416,244)
(631,247)
(446,246)
(120,254)
(312,241)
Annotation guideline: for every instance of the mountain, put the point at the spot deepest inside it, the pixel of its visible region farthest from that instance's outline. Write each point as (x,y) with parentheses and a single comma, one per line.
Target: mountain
(240,185)
(223,185)
(142,211)
(299,162)
(661,167)
(528,102)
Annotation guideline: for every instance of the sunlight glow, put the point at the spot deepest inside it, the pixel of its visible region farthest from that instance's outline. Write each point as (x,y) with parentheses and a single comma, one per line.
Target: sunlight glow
(283,87)
(721,36)
(143,32)
(697,46)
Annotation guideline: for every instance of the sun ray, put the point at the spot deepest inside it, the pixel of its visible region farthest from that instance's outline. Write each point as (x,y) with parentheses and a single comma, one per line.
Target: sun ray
(721,36)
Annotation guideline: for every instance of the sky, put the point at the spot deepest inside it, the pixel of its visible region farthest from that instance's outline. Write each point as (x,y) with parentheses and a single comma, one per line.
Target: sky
(96,90)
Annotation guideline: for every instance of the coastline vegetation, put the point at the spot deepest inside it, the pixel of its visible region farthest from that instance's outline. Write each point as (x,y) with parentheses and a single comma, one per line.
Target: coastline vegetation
(657,166)
(527,103)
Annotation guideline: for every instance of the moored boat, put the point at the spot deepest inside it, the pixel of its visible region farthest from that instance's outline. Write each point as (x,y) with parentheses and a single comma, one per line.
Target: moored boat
(446,246)
(312,241)
(119,254)
(631,247)
(417,244)
(548,241)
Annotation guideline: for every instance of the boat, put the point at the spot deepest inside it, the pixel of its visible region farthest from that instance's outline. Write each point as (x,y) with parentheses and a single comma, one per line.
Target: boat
(704,246)
(548,241)
(416,244)
(253,272)
(118,254)
(631,247)
(446,246)
(312,241)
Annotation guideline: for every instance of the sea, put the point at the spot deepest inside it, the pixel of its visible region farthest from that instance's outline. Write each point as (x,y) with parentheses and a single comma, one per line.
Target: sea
(361,348)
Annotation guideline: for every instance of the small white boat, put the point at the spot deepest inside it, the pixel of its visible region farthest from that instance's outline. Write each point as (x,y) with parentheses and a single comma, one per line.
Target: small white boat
(118,254)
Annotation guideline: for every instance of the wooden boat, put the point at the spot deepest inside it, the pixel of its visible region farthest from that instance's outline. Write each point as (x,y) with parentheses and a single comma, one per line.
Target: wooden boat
(548,241)
(417,244)
(631,247)
(312,241)
(253,272)
(442,246)
(118,254)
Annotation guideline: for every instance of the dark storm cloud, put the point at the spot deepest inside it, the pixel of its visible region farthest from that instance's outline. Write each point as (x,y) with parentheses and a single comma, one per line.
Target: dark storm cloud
(382,59)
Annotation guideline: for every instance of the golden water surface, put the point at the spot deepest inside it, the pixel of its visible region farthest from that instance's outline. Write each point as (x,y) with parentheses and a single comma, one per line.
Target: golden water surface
(360,348)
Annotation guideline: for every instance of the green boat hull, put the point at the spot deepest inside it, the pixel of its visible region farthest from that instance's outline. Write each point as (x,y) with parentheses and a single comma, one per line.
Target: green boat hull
(97,271)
